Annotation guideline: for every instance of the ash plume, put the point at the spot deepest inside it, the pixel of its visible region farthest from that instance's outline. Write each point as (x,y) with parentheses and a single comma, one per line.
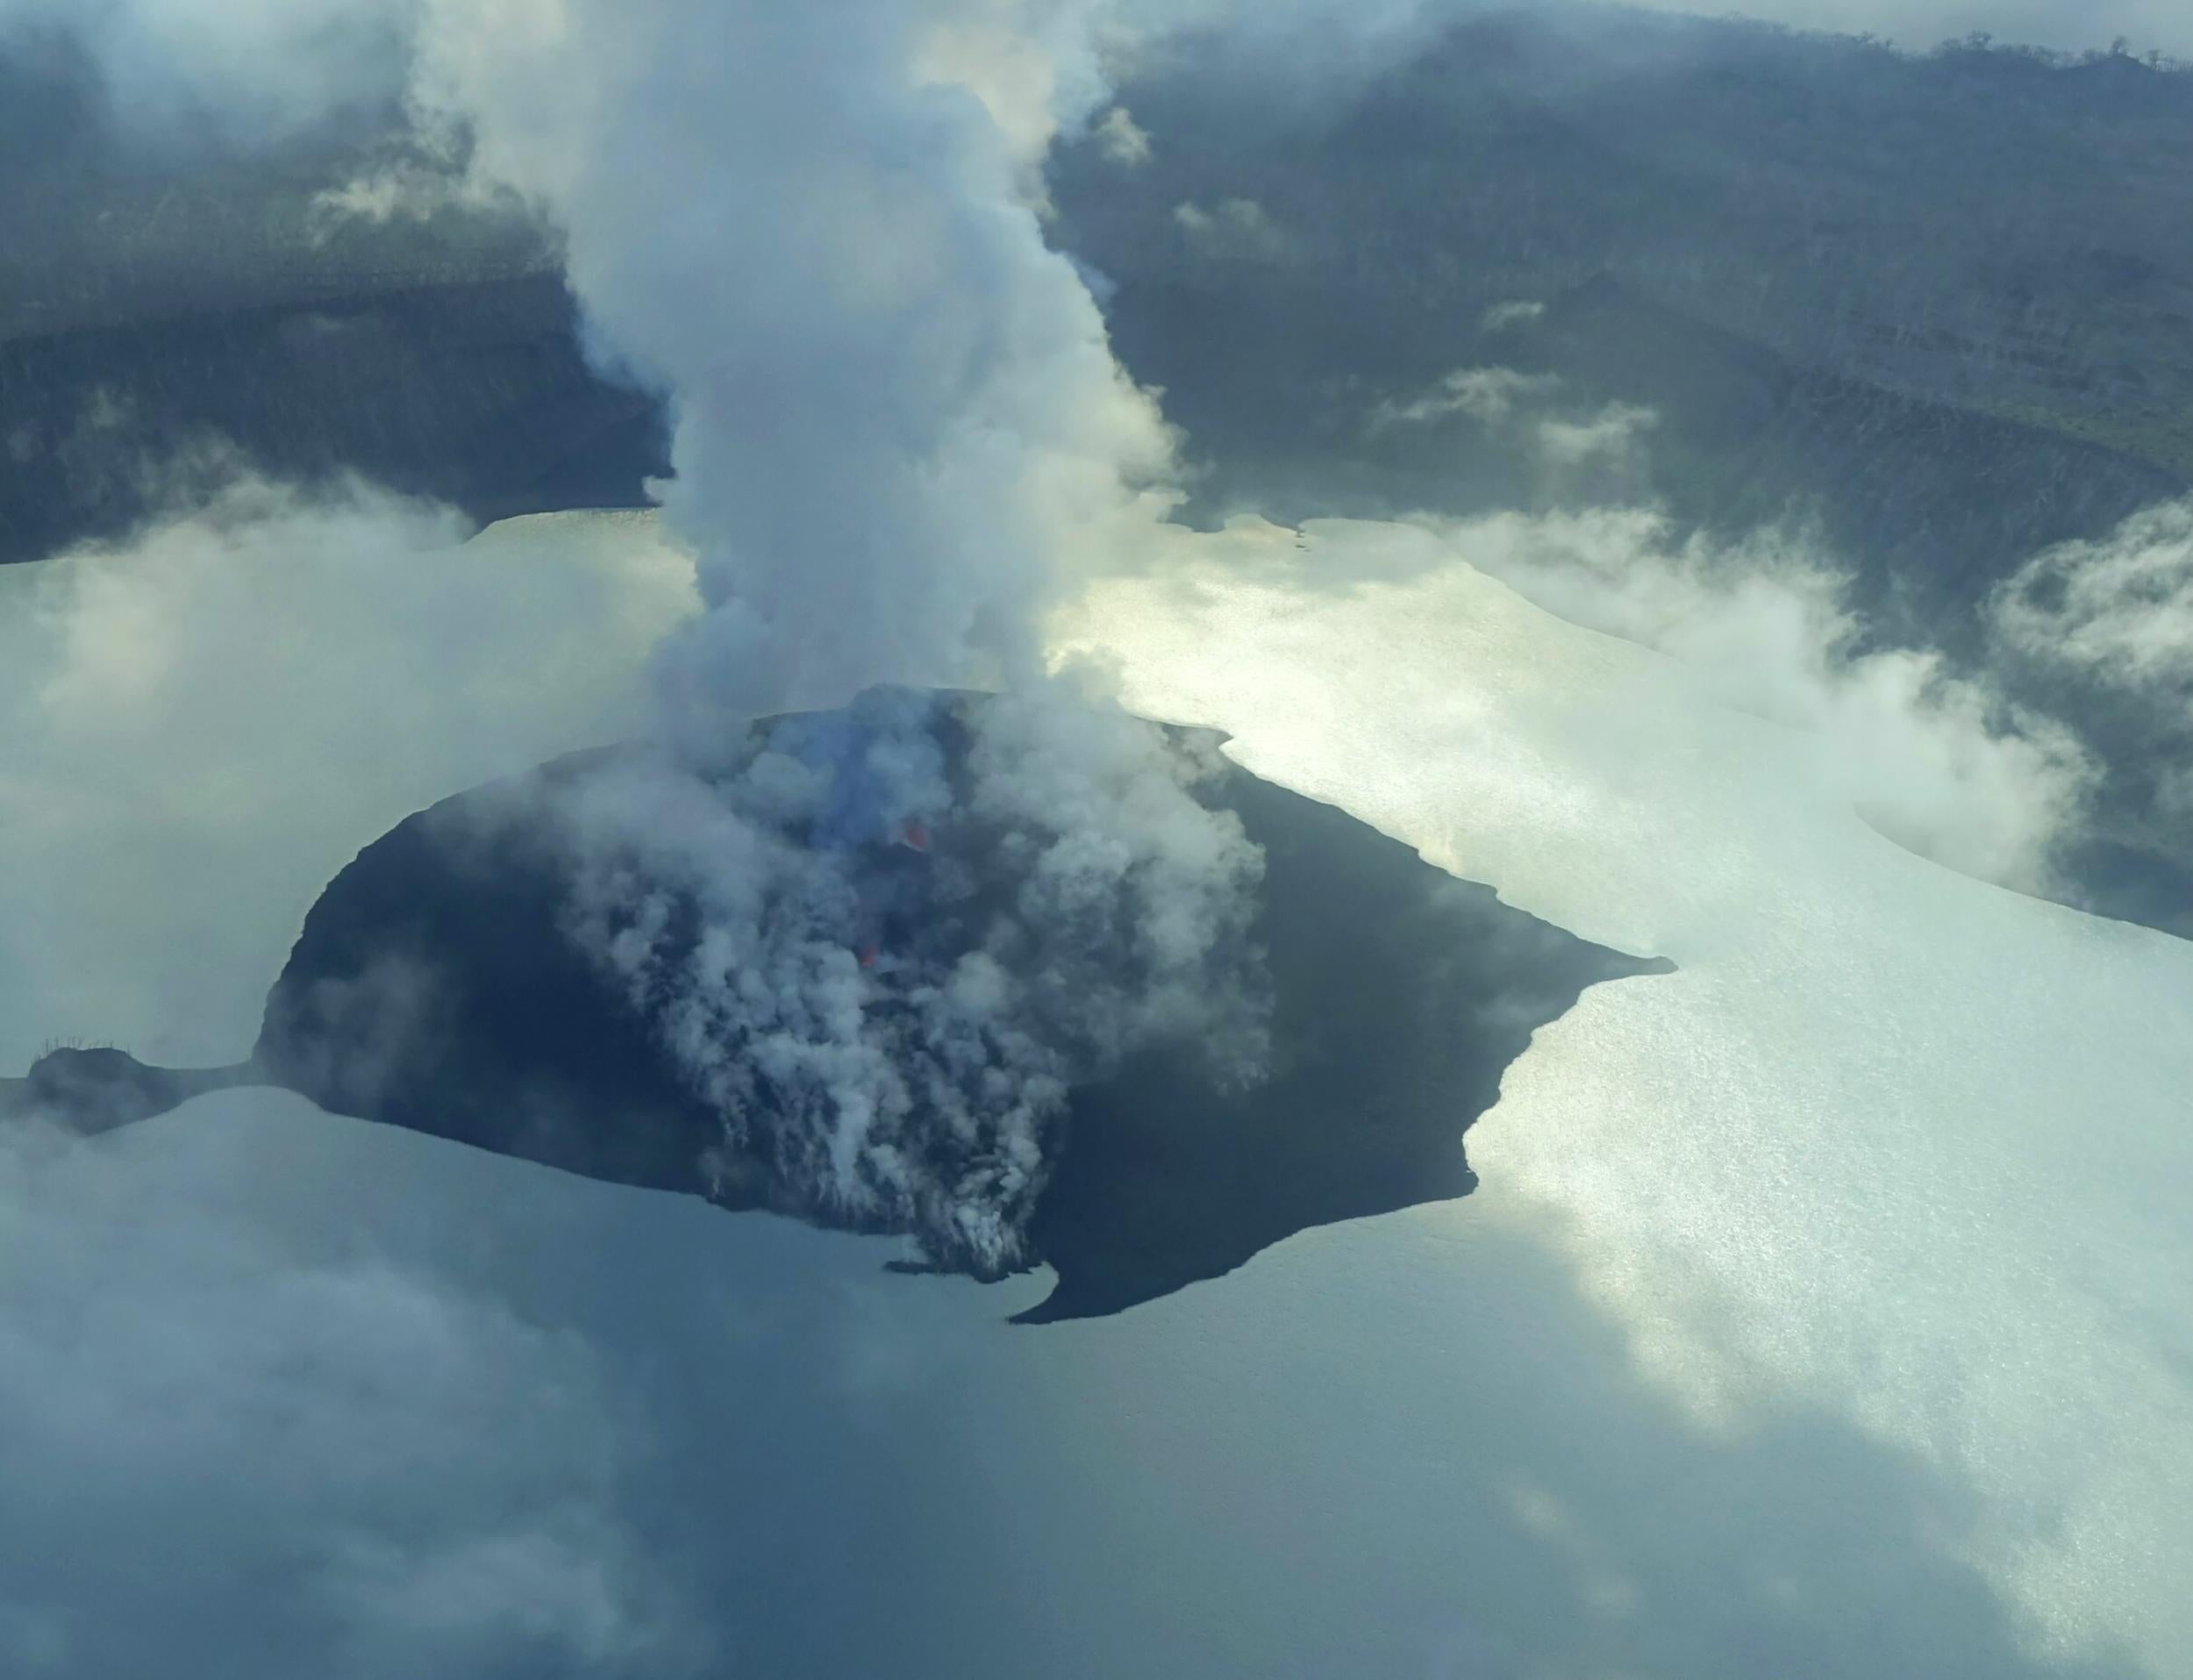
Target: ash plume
(888,944)
(900,434)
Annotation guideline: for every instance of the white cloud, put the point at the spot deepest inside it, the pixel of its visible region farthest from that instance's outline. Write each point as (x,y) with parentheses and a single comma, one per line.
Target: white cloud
(1890,1142)
(243,1442)
(248,1438)
(1490,396)
(1503,317)
(1938,761)
(899,422)
(1613,437)
(248,693)
(2117,611)
(899,433)
(1122,140)
(1574,450)
(884,1075)
(1234,230)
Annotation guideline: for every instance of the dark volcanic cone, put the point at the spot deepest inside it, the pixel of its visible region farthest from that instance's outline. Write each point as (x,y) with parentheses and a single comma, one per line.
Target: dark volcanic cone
(435,986)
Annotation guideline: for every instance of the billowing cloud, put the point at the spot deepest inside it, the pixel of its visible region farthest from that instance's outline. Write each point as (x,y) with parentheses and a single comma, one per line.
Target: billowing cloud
(1123,139)
(885,965)
(898,431)
(1938,760)
(252,689)
(2117,612)
(2106,629)
(245,1444)
(1831,1157)
(898,421)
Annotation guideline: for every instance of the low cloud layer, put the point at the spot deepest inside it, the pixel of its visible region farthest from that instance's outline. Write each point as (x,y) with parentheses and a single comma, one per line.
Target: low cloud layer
(2065,731)
(1939,762)
(248,692)
(1889,1140)
(1581,453)
(383,1405)
(247,1442)
(898,423)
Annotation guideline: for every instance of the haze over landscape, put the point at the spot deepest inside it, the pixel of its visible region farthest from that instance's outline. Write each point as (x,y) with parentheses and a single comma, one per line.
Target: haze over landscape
(1662,549)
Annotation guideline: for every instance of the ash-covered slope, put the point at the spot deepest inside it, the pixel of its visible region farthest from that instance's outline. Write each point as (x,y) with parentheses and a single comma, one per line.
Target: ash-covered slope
(437,986)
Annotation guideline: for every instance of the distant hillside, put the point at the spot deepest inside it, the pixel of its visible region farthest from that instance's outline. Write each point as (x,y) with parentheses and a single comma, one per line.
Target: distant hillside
(158,299)
(475,393)
(1942,306)
(104,225)
(1930,504)
(1945,302)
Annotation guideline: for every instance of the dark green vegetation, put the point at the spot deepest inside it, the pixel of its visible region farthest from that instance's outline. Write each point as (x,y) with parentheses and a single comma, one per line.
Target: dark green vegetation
(1941,305)
(475,393)
(171,310)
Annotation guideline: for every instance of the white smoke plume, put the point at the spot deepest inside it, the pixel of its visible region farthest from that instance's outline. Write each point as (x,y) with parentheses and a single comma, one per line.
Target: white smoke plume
(887,945)
(898,421)
(899,434)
